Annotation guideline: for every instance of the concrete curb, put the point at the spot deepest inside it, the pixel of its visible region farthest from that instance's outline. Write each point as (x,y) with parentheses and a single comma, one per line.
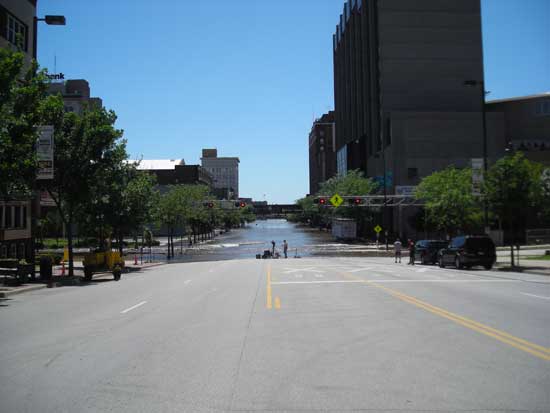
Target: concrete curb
(5,294)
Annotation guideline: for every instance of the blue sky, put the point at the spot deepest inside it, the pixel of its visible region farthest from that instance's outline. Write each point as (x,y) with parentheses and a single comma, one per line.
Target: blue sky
(246,76)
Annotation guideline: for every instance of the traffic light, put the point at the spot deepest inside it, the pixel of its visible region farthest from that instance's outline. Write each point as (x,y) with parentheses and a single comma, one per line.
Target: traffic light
(322,201)
(208,204)
(355,201)
(240,204)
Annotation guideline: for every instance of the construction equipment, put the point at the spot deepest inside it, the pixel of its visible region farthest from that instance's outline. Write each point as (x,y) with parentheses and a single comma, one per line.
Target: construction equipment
(103,261)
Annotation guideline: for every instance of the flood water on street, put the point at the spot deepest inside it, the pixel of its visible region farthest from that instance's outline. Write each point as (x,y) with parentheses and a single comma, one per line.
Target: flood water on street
(255,238)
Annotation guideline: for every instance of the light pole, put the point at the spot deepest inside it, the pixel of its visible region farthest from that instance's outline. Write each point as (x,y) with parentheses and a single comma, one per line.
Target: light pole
(481,85)
(384,207)
(50,20)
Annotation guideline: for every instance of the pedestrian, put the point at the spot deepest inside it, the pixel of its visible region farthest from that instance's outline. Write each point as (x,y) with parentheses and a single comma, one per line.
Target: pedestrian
(285,248)
(272,248)
(397,246)
(412,251)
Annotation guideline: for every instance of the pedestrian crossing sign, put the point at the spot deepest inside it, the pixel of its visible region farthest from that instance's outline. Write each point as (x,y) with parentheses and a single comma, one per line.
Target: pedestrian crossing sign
(336,200)
(377,229)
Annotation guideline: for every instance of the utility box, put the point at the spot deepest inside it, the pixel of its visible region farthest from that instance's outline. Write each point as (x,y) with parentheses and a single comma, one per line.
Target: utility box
(344,228)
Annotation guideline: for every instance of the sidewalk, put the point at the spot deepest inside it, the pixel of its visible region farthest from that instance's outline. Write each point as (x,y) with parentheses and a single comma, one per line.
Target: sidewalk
(59,280)
(539,267)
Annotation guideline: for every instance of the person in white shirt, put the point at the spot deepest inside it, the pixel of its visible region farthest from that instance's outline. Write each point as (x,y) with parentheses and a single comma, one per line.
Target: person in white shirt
(397,246)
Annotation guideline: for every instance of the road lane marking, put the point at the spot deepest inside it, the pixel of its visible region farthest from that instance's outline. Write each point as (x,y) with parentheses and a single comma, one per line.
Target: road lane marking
(319,275)
(389,281)
(269,303)
(133,307)
(277,303)
(521,344)
(187,282)
(361,269)
(315,282)
(538,296)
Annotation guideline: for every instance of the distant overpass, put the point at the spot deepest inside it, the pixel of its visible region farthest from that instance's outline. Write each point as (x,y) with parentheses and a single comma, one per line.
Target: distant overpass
(276,210)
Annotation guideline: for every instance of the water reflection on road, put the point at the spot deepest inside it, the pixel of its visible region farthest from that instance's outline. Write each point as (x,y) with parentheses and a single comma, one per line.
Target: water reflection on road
(255,238)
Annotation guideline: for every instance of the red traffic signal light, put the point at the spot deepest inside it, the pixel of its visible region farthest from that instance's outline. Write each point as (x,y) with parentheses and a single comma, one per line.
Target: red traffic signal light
(356,201)
(240,204)
(322,201)
(208,204)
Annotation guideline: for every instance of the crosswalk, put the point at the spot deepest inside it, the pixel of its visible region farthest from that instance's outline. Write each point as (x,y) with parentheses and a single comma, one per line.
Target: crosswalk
(379,272)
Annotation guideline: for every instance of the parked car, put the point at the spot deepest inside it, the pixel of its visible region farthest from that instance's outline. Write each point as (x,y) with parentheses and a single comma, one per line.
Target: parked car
(468,251)
(427,250)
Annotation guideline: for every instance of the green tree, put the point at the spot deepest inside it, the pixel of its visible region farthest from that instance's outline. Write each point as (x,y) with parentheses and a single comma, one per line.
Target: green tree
(449,202)
(353,183)
(85,146)
(23,102)
(512,186)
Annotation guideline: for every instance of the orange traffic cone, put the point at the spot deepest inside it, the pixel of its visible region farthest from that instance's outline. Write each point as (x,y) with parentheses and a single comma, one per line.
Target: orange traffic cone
(135,259)
(62,268)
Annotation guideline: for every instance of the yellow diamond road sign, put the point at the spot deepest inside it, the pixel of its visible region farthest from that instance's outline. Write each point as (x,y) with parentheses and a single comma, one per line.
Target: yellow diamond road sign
(377,229)
(336,200)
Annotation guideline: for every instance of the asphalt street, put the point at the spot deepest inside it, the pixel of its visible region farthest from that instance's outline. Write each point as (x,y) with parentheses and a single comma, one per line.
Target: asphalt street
(296,335)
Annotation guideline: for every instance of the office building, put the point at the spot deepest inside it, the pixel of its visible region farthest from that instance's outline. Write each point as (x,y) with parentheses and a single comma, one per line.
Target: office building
(16,33)
(400,76)
(525,122)
(175,172)
(225,173)
(408,88)
(322,151)
(17,26)
(76,94)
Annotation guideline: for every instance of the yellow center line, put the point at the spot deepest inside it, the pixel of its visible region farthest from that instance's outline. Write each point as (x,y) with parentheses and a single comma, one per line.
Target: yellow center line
(277,303)
(524,345)
(269,303)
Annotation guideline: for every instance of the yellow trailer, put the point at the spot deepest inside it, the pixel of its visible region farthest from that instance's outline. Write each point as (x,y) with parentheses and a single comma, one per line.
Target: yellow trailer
(103,261)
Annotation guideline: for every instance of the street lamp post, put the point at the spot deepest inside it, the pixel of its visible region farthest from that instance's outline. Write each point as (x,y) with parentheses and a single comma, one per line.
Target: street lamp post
(50,20)
(481,85)
(382,152)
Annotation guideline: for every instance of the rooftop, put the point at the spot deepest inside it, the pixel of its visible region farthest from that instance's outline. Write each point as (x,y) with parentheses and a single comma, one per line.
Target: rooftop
(159,164)
(519,98)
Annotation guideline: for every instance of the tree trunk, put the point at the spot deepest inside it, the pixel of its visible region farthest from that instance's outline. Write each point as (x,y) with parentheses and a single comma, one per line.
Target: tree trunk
(172,241)
(70,245)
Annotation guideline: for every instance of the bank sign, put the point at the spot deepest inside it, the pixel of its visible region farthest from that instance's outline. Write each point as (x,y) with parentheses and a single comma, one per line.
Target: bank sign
(44,152)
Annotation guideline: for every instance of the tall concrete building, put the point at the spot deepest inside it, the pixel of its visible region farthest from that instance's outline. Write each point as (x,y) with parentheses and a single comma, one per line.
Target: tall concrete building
(403,104)
(322,151)
(225,173)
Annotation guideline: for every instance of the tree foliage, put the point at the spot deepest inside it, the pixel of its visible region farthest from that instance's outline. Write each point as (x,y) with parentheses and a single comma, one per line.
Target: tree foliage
(449,202)
(514,184)
(23,103)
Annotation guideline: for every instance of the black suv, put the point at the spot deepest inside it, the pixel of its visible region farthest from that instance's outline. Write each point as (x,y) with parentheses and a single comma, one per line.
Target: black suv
(469,250)
(427,251)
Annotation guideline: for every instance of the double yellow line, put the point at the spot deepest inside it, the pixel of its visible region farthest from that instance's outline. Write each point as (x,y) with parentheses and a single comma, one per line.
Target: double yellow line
(269,297)
(524,345)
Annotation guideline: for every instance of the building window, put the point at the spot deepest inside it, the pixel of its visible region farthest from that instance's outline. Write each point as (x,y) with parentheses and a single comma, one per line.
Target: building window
(542,108)
(21,251)
(24,217)
(7,217)
(3,251)
(13,251)
(17,220)
(342,161)
(412,173)
(17,32)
